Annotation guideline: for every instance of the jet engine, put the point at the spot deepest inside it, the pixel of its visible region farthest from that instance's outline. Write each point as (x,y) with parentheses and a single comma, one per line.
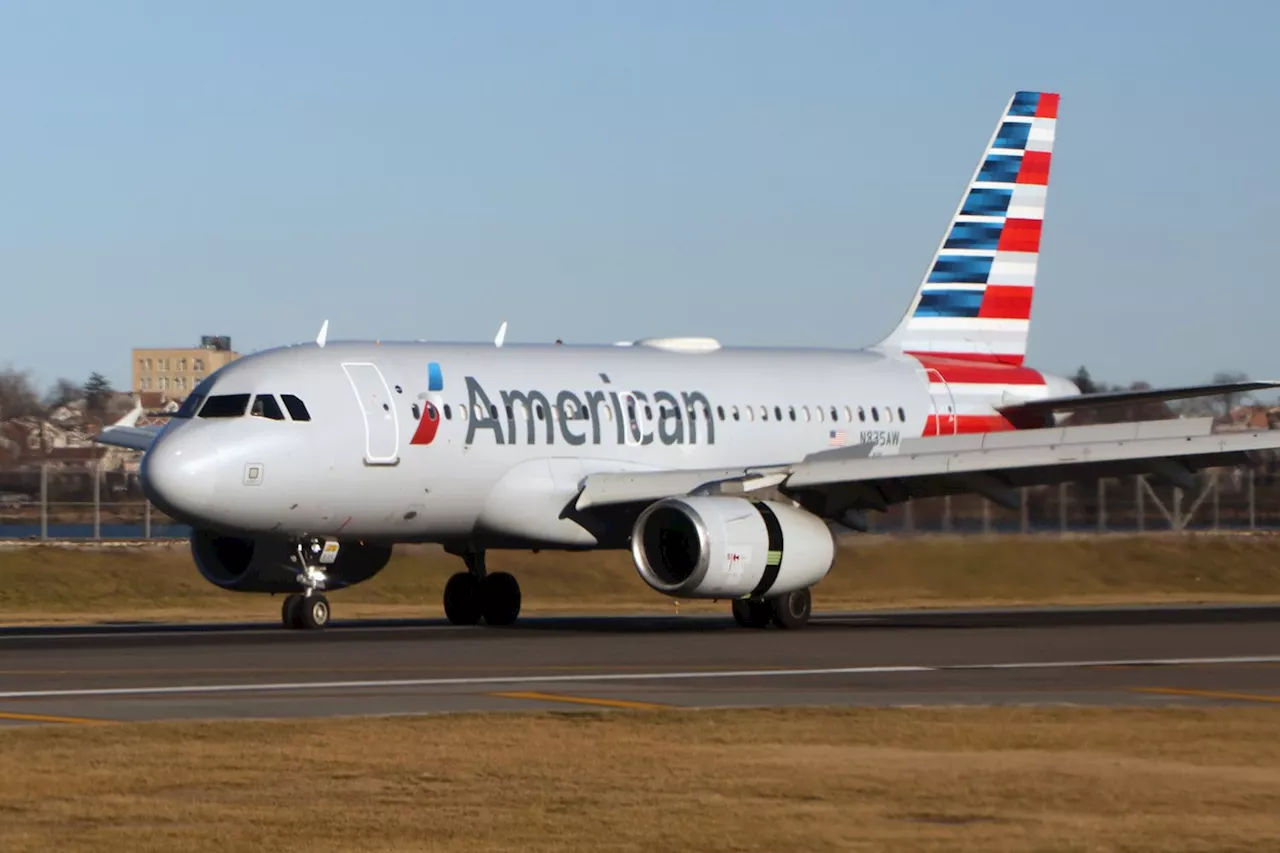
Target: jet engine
(264,564)
(730,547)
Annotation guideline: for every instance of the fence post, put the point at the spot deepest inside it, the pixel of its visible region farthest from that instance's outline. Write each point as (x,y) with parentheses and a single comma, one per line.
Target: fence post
(1140,511)
(1253,507)
(1024,511)
(44,501)
(97,499)
(1102,505)
(146,519)
(1214,485)
(909,517)
(1178,521)
(1062,508)
(986,516)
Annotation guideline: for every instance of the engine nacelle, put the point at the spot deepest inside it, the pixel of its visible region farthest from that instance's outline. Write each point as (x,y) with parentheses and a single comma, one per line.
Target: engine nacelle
(263,565)
(727,547)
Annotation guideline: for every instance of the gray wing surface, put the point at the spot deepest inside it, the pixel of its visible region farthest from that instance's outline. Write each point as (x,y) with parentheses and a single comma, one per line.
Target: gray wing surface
(126,432)
(994,465)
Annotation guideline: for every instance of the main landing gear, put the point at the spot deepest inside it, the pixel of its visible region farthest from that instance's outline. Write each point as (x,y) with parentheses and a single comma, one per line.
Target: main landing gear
(309,609)
(475,594)
(790,610)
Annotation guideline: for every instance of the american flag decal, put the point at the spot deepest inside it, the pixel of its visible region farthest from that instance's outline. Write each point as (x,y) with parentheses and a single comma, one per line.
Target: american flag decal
(836,438)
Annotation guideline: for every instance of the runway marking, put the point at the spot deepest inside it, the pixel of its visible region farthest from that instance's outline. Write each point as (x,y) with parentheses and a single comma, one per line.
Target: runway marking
(1209,694)
(582,700)
(50,718)
(383,684)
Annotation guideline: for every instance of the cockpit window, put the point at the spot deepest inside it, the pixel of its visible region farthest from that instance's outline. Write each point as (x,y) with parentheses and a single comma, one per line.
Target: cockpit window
(297,410)
(265,406)
(225,406)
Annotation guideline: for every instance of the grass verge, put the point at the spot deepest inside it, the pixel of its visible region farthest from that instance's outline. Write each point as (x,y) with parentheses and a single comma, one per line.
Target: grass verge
(956,779)
(63,584)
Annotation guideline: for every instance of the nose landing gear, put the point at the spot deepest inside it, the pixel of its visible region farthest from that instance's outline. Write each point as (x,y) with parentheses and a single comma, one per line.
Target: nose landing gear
(309,609)
(475,594)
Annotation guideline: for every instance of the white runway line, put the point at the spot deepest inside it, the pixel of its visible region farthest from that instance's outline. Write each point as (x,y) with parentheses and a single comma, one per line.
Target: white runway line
(281,687)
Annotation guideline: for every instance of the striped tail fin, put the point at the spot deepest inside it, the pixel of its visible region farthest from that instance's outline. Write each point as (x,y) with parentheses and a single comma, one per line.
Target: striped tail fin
(975,302)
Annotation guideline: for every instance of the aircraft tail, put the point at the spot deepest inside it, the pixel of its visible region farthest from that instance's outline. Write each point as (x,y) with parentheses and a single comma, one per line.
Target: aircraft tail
(975,302)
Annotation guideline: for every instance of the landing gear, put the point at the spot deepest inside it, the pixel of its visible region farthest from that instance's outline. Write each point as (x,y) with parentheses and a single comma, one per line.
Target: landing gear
(475,594)
(309,609)
(791,610)
(308,612)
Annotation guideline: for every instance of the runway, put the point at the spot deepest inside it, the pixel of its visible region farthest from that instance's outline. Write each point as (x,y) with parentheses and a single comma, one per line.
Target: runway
(1083,656)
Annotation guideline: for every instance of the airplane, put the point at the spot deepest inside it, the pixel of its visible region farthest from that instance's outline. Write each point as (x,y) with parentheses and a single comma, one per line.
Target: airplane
(726,471)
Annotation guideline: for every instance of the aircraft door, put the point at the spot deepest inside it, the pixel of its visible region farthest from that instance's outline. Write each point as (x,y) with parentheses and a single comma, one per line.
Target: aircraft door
(942,403)
(378,409)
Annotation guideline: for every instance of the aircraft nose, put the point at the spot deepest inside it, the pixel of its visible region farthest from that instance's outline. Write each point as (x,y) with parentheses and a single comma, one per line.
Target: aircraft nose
(179,475)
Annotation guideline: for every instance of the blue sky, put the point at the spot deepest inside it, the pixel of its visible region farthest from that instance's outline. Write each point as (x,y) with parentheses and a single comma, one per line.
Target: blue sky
(766,173)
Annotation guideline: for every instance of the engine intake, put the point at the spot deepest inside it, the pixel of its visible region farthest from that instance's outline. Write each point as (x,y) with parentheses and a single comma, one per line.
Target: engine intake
(725,547)
(263,565)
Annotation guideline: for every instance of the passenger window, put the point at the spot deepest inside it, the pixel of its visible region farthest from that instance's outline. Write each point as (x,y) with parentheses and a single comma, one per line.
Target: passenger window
(875,414)
(848,415)
(822,413)
(417,413)
(777,413)
(265,406)
(463,412)
(862,414)
(834,416)
(792,412)
(720,412)
(764,413)
(297,410)
(805,410)
(225,406)
(448,412)
(737,415)
(902,416)
(888,413)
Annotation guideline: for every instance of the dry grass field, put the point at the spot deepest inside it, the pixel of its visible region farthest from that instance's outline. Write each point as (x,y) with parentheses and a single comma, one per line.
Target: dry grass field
(966,779)
(159,582)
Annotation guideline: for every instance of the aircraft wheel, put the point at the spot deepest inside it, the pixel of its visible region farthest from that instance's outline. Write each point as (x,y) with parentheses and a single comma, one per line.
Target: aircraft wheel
(791,610)
(289,612)
(500,599)
(752,614)
(462,599)
(313,612)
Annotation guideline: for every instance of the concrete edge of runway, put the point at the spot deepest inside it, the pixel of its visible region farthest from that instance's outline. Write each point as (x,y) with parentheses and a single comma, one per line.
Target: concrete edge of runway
(993,617)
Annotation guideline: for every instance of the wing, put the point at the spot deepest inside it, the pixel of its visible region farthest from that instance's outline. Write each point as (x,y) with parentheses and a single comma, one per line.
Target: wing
(835,482)
(1023,409)
(126,432)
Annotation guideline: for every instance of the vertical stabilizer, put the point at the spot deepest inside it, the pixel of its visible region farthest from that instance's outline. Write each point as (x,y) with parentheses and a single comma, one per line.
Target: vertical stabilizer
(975,300)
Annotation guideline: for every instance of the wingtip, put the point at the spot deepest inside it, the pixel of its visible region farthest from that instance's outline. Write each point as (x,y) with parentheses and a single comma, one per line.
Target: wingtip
(324,334)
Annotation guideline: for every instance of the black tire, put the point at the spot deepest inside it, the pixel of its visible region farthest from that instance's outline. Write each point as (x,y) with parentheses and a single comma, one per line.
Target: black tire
(500,599)
(462,599)
(289,611)
(791,610)
(752,614)
(313,612)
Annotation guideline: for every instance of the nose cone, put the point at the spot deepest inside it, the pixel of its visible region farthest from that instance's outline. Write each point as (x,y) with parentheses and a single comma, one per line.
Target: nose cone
(179,474)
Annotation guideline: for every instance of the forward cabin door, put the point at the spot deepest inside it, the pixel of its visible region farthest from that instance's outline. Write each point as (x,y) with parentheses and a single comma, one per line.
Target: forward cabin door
(378,409)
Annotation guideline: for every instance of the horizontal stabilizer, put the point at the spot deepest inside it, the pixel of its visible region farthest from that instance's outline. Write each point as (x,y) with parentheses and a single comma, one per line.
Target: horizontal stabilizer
(1117,398)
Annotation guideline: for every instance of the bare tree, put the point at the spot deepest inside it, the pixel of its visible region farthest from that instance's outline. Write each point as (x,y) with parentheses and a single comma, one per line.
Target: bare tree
(63,391)
(18,397)
(1228,401)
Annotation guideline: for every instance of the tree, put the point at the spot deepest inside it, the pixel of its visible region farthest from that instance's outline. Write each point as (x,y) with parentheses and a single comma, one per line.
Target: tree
(1228,401)
(64,391)
(1084,381)
(97,394)
(18,397)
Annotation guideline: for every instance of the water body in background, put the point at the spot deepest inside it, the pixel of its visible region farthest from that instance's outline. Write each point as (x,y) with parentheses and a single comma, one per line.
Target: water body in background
(85,531)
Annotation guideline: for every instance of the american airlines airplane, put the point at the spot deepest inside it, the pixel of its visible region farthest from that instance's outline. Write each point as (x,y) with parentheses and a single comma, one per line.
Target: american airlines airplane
(724,470)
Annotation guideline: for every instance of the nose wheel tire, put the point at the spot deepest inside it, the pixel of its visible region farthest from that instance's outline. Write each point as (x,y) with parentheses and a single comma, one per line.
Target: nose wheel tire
(791,610)
(305,612)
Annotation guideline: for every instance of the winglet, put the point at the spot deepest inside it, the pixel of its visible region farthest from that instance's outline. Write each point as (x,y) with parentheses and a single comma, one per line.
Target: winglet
(131,419)
(324,334)
(502,334)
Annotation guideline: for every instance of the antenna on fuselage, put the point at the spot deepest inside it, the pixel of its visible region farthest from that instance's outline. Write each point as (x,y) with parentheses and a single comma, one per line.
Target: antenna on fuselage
(502,335)
(324,334)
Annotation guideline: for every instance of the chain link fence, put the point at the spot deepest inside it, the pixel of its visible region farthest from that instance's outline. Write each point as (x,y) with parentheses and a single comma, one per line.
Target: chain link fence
(52,502)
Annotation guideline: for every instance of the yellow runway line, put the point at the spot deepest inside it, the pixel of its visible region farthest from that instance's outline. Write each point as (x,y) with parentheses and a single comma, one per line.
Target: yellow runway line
(1208,694)
(50,718)
(581,700)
